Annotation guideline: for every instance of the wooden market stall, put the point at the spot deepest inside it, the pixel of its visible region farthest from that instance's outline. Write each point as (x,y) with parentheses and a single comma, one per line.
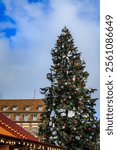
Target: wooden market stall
(14,137)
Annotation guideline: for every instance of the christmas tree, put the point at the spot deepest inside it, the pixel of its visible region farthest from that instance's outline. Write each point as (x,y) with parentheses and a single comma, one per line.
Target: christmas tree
(69,118)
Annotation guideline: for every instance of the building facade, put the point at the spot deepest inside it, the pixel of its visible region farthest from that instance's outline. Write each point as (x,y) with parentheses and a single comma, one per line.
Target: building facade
(25,112)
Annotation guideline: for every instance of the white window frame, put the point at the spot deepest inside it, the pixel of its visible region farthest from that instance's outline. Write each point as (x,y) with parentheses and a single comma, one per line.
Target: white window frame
(15,108)
(26,117)
(27,108)
(5,108)
(40,108)
(17,117)
(35,117)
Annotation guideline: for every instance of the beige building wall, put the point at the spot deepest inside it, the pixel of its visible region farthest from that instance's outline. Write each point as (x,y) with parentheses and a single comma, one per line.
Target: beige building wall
(25,112)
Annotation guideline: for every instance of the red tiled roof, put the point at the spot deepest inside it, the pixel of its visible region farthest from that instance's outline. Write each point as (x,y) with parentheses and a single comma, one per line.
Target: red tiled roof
(15,129)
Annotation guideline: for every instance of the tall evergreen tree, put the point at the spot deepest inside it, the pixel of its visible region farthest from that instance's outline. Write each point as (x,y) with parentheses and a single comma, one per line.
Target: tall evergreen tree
(69,118)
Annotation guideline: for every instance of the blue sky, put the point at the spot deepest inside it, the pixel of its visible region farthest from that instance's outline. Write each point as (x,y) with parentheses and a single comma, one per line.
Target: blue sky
(28,32)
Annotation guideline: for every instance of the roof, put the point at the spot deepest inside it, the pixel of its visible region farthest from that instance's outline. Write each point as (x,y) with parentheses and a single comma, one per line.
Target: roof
(21,105)
(9,127)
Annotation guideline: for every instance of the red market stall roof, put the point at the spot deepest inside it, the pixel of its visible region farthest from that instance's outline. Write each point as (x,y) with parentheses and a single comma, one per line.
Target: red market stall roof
(10,128)
(14,135)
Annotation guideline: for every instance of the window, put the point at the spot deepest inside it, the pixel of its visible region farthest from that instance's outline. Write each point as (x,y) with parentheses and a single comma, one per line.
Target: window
(15,108)
(17,117)
(40,108)
(27,108)
(25,117)
(34,117)
(5,108)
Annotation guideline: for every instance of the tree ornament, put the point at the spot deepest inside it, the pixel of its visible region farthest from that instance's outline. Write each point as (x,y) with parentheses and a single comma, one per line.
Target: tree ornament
(54,133)
(77,89)
(50,137)
(61,110)
(69,97)
(56,143)
(62,46)
(64,56)
(91,119)
(63,127)
(69,40)
(78,137)
(71,114)
(90,137)
(53,125)
(85,116)
(62,86)
(55,50)
(63,114)
(69,55)
(55,81)
(51,129)
(57,129)
(78,113)
(67,72)
(50,118)
(80,97)
(73,78)
(74,108)
(63,32)
(69,120)
(90,89)
(74,56)
(54,104)
(74,129)
(50,123)
(52,113)
(55,137)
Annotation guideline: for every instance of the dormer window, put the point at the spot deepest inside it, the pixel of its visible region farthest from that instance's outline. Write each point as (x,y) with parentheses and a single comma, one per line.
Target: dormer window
(40,108)
(27,108)
(15,108)
(5,108)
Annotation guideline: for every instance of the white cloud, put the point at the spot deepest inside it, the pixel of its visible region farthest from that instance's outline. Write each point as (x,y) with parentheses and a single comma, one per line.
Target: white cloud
(25,58)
